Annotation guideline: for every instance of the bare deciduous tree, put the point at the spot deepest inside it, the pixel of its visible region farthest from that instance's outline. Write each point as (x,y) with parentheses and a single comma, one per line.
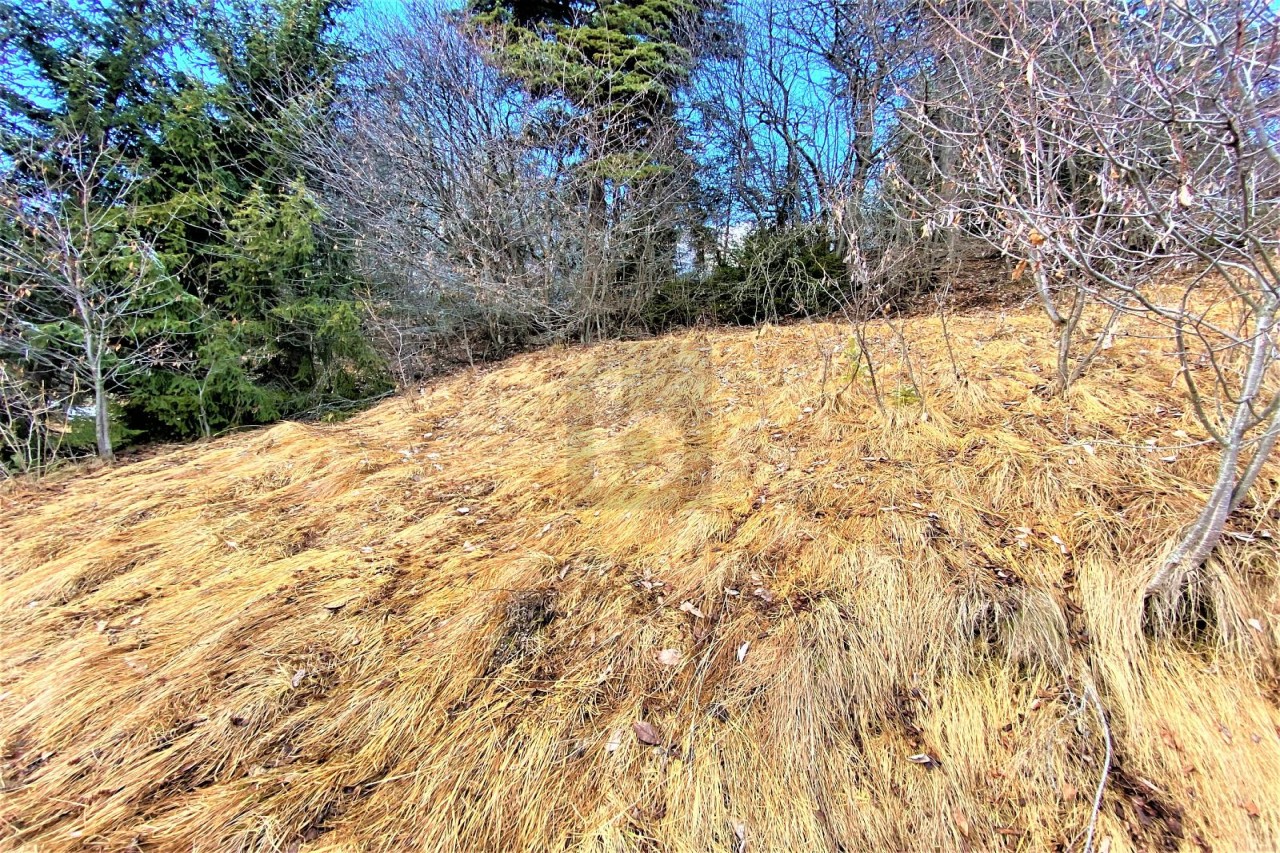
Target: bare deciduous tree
(491,213)
(1113,148)
(79,280)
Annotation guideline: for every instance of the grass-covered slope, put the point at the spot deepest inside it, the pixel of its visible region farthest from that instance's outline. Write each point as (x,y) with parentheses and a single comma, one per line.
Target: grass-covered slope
(691,594)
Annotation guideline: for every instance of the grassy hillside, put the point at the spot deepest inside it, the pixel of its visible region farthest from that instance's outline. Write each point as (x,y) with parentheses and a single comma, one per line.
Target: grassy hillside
(690,594)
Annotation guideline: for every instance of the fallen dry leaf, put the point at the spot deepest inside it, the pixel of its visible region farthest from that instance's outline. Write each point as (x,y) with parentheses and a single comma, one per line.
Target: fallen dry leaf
(690,608)
(646,733)
(669,657)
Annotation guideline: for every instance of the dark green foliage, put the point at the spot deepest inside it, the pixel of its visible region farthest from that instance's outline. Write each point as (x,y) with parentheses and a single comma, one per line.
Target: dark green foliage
(78,437)
(278,333)
(202,103)
(97,67)
(775,274)
(632,54)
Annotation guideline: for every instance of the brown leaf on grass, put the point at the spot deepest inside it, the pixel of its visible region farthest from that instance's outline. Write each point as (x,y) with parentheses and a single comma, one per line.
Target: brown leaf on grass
(1251,808)
(1069,793)
(691,608)
(961,822)
(646,733)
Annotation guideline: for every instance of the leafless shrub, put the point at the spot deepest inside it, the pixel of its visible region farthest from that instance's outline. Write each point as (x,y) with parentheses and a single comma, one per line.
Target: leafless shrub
(1108,146)
(80,280)
(799,123)
(33,422)
(490,215)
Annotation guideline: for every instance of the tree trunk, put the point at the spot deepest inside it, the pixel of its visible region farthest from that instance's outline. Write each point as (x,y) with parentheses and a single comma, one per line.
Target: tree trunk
(94,343)
(1203,536)
(1042,285)
(1229,488)
(102,417)
(1260,453)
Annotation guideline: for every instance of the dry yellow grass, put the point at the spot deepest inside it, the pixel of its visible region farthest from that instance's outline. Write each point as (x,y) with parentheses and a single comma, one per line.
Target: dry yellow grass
(436,626)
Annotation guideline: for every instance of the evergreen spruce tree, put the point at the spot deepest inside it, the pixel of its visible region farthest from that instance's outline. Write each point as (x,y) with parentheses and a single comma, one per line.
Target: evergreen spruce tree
(279,333)
(613,70)
(201,104)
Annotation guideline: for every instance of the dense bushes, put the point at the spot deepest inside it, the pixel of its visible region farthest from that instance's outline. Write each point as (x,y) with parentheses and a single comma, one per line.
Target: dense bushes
(163,253)
(772,274)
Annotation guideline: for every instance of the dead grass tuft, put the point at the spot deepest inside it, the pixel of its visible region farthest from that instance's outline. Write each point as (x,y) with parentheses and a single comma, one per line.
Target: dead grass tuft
(681,594)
